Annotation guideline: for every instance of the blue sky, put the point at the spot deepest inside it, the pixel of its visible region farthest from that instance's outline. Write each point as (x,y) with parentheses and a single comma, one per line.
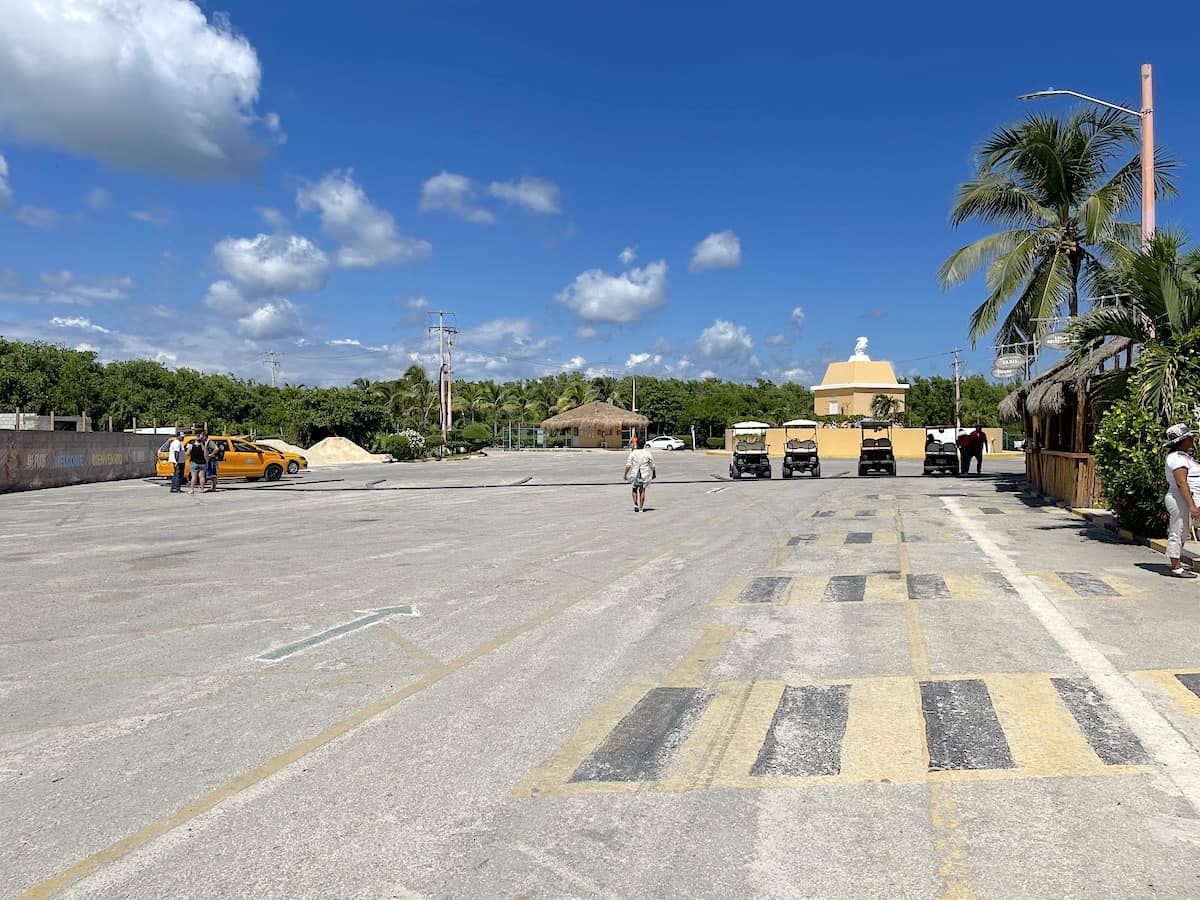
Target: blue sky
(650,188)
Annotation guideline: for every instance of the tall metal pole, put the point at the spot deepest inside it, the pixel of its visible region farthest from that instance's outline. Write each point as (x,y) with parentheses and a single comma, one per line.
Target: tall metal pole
(1147,156)
(957,395)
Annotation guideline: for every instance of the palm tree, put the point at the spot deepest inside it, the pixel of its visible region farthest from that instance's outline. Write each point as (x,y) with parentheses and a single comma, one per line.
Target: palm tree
(883,407)
(1159,308)
(1051,184)
(363,384)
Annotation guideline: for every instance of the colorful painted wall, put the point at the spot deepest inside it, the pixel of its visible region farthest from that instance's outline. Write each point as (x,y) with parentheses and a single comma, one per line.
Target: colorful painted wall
(41,459)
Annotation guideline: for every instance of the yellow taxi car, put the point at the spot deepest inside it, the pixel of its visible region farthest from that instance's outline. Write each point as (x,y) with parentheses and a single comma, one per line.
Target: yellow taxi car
(241,459)
(293,462)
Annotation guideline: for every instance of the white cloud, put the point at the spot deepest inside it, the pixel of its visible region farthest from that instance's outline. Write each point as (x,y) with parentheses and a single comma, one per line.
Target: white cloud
(797,375)
(142,84)
(513,338)
(78,322)
(366,233)
(575,363)
(536,195)
(223,297)
(344,342)
(777,340)
(726,341)
(273,218)
(596,296)
(39,217)
(587,333)
(799,317)
(63,286)
(720,250)
(636,360)
(627,256)
(270,265)
(276,318)
(153,216)
(99,198)
(6,194)
(415,310)
(454,194)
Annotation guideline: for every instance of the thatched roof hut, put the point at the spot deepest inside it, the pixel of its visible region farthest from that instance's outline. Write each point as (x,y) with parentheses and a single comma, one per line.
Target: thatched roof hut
(599,416)
(1063,384)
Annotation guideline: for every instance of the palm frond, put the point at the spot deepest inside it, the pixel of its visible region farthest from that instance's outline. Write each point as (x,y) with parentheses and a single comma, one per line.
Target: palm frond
(995,197)
(968,260)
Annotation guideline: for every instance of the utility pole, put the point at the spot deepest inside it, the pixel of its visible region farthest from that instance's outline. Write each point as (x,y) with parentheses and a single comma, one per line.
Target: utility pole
(271,361)
(446,335)
(957,393)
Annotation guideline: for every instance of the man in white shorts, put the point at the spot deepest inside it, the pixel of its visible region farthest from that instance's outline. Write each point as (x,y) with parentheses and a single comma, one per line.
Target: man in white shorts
(641,464)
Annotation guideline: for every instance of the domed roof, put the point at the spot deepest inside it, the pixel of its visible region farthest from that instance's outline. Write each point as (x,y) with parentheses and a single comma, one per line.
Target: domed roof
(860,371)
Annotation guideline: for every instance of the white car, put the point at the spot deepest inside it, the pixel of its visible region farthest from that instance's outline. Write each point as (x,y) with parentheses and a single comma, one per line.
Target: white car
(666,442)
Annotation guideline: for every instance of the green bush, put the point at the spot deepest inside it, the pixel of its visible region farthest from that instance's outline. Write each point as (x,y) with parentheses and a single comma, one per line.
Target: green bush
(476,433)
(715,443)
(1129,464)
(407,444)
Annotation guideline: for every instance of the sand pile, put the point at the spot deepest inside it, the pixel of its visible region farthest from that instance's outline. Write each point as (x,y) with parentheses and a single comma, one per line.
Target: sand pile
(284,446)
(338,451)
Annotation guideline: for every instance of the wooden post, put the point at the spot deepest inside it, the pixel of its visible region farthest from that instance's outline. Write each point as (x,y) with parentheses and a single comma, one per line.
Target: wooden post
(110,423)
(17,420)
(51,420)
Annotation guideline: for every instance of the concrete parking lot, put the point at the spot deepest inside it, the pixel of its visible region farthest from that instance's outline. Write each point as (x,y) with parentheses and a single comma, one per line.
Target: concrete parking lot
(493,678)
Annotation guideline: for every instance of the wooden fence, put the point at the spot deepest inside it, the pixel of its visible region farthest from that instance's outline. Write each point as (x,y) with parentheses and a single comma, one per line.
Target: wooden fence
(1064,476)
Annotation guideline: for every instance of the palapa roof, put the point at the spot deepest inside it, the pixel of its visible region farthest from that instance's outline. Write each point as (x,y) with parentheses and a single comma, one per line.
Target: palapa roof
(1048,393)
(598,414)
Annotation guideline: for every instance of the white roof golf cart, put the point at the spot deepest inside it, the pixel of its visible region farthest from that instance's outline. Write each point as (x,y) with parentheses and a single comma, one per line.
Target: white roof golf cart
(750,450)
(800,448)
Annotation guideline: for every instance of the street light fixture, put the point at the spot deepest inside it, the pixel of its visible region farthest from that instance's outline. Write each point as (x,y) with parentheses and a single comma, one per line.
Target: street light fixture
(1146,117)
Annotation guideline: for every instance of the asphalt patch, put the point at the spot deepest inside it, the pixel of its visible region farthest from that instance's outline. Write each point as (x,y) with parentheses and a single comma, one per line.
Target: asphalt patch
(845,589)
(1110,738)
(806,733)
(961,728)
(765,589)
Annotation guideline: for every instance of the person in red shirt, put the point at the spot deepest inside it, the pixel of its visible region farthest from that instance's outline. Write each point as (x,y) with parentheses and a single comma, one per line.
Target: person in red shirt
(971,446)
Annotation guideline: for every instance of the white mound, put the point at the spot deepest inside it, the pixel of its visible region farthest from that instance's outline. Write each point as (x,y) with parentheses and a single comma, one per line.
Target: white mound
(284,446)
(338,451)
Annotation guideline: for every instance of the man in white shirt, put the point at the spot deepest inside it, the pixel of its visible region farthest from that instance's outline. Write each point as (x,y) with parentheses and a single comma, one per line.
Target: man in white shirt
(175,455)
(641,464)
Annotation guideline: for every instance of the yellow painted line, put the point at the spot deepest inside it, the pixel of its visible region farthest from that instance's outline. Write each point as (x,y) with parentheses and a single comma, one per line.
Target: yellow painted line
(718,736)
(885,732)
(1165,681)
(1042,734)
(966,585)
(551,776)
(954,867)
(1121,589)
(728,595)
(707,647)
(215,798)
(410,649)
(886,589)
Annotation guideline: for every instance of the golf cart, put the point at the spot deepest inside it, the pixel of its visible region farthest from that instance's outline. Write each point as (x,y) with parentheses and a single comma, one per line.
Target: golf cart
(941,451)
(875,454)
(800,449)
(750,450)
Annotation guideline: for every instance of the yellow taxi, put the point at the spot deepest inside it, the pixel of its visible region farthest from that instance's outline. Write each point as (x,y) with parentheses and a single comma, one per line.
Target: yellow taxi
(240,459)
(293,462)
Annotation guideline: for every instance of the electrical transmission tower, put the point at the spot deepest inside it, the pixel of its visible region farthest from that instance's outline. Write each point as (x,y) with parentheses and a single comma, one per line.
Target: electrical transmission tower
(445,335)
(271,361)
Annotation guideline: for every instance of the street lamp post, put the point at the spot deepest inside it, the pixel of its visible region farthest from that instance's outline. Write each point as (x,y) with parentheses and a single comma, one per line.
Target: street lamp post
(1146,117)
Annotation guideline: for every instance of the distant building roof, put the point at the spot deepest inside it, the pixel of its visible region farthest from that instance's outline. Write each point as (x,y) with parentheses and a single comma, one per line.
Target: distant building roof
(860,371)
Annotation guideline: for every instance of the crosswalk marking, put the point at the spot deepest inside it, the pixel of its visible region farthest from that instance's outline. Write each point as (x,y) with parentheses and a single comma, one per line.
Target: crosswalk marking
(1182,687)
(1087,585)
(768,734)
(875,587)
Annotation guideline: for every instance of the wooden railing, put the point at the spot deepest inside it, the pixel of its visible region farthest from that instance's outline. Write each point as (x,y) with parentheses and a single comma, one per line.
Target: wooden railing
(1064,476)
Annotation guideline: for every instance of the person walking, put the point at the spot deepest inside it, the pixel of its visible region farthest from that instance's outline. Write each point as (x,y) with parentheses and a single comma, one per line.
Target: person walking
(175,455)
(1183,494)
(978,446)
(216,453)
(197,456)
(641,464)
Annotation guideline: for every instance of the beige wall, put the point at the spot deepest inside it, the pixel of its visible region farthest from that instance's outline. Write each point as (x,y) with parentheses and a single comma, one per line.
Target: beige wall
(589,437)
(851,402)
(844,443)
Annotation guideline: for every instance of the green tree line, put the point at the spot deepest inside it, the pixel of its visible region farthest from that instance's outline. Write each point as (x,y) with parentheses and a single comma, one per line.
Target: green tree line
(43,378)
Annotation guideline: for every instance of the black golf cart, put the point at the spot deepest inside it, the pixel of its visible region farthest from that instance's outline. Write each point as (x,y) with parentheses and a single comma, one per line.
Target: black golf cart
(800,448)
(875,453)
(750,450)
(941,451)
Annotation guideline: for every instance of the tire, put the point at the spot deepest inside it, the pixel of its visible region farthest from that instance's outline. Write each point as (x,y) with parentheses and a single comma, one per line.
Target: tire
(862,470)
(293,467)
(816,471)
(786,473)
(274,472)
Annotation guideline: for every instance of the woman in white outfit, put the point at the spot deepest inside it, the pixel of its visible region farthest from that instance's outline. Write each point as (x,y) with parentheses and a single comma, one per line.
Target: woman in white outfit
(1183,483)
(641,464)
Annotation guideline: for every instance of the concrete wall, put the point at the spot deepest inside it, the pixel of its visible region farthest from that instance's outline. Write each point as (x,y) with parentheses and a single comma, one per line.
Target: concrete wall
(40,459)
(844,443)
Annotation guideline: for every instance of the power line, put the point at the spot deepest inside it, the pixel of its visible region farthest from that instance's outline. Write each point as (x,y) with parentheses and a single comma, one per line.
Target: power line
(445,335)
(271,361)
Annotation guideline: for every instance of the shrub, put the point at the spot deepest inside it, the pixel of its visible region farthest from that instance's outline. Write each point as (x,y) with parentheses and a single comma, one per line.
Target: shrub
(715,443)
(407,444)
(477,433)
(1129,464)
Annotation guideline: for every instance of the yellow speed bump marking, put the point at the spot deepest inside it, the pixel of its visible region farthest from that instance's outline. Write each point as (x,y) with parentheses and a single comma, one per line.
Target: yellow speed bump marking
(1167,682)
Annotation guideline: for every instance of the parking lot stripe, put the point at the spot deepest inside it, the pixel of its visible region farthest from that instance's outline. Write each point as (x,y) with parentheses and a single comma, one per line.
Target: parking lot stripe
(1042,735)
(640,748)
(708,647)
(1109,736)
(961,728)
(805,737)
(884,737)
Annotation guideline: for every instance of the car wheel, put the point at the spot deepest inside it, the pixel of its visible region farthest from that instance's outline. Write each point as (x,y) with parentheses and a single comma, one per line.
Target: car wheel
(274,472)
(293,467)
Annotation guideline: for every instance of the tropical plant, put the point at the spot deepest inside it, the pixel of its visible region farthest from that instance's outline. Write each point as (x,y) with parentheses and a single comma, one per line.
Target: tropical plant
(1157,307)
(884,406)
(1059,188)
(1129,465)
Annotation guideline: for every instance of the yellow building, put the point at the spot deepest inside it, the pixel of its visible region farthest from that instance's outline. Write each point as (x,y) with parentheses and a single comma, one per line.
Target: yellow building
(850,387)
